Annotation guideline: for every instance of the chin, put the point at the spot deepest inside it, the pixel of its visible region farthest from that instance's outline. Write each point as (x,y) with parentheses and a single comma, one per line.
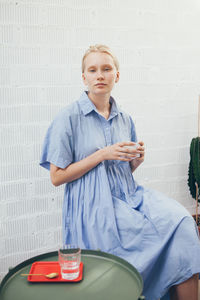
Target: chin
(102,91)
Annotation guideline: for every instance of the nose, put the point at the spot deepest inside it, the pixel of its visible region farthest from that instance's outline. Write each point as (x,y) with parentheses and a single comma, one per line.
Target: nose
(100,75)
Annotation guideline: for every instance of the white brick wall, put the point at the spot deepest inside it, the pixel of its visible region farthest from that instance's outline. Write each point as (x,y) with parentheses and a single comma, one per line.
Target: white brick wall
(41,45)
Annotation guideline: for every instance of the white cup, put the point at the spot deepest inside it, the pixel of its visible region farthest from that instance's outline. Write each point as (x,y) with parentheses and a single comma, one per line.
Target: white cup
(132,147)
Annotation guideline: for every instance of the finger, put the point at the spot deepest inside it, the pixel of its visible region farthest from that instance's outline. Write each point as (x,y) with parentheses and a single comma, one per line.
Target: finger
(125,159)
(134,151)
(141,157)
(126,156)
(141,147)
(126,150)
(140,152)
(122,144)
(130,149)
(127,143)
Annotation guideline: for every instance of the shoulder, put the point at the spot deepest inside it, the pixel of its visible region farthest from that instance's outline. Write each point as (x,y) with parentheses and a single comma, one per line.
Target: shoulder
(126,116)
(127,120)
(70,109)
(67,113)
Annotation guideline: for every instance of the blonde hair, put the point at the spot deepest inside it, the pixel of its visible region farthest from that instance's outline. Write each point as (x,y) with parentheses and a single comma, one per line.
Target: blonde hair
(102,49)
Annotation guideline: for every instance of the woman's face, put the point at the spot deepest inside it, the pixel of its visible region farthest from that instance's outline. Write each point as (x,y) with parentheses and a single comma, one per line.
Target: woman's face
(100,73)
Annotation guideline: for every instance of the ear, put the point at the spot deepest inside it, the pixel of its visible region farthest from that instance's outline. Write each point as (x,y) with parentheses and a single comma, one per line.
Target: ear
(84,79)
(117,77)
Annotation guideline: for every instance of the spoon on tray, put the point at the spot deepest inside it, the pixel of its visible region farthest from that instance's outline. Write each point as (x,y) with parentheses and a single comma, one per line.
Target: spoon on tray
(50,275)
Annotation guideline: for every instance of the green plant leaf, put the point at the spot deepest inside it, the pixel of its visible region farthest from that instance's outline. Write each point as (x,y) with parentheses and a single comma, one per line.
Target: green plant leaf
(194,167)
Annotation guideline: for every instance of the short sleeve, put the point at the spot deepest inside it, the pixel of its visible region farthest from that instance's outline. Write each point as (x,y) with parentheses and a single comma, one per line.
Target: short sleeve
(58,144)
(133,131)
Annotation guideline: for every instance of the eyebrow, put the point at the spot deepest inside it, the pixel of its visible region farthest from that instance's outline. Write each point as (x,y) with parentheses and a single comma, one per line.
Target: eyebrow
(105,65)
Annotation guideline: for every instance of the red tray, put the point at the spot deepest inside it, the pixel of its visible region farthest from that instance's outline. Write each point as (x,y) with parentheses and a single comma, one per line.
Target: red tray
(46,267)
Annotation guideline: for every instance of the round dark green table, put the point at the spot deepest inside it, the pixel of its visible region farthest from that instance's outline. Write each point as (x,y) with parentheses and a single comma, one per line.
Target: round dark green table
(105,277)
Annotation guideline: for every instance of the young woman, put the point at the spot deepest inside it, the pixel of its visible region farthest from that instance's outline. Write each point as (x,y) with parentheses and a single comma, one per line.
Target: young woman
(87,148)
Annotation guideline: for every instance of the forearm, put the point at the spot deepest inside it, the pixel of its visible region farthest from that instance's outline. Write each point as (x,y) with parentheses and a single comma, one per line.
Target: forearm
(134,165)
(75,170)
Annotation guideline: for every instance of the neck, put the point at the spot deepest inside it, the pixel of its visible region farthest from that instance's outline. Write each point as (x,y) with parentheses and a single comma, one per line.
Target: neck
(101,102)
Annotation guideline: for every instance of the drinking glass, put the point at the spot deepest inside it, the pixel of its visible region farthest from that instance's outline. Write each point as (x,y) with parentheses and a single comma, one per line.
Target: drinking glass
(69,257)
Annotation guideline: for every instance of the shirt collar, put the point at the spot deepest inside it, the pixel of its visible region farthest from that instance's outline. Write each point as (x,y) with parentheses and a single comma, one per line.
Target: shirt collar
(88,106)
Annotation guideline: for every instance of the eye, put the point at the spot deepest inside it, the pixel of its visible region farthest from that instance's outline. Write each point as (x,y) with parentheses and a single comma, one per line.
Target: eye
(106,69)
(91,70)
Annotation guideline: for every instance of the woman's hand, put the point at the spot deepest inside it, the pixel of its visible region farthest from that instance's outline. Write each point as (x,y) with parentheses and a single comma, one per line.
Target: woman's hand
(121,151)
(141,151)
(138,160)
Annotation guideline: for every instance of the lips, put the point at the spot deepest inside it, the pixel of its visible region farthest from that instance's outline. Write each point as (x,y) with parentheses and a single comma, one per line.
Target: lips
(100,84)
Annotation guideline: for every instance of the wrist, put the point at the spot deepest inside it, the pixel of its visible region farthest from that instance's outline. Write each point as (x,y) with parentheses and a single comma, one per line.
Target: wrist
(101,155)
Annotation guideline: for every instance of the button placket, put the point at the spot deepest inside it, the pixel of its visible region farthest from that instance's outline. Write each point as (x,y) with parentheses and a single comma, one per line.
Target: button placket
(106,129)
(107,134)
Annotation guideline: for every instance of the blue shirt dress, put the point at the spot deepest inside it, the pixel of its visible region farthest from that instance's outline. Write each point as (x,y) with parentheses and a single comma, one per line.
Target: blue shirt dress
(106,209)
